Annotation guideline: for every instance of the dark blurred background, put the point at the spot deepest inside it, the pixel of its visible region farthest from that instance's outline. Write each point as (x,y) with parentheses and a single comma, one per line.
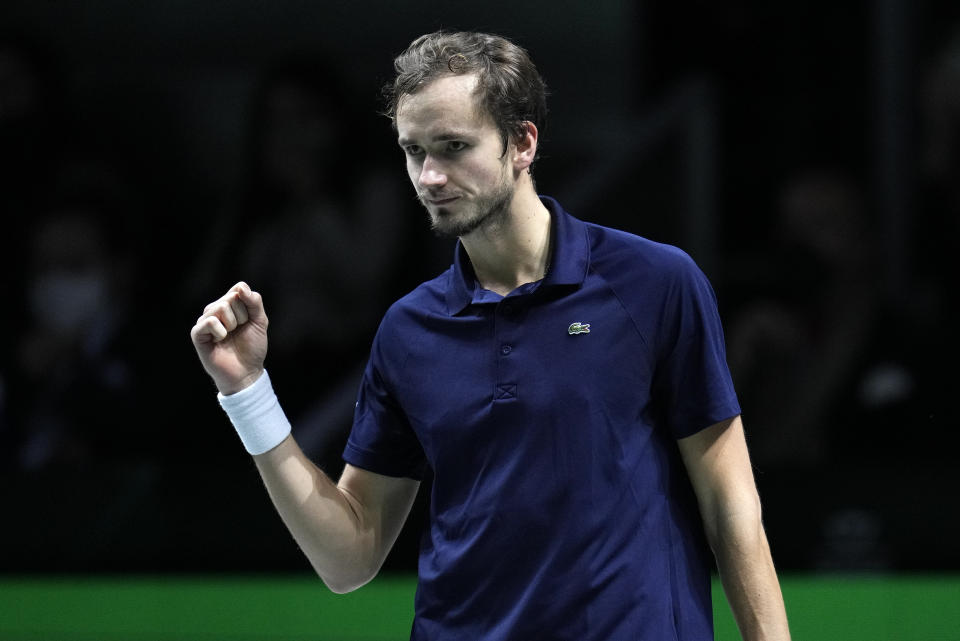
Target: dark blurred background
(807,154)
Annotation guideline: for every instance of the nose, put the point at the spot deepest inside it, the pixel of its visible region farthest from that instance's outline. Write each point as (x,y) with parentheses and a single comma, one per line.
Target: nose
(431,173)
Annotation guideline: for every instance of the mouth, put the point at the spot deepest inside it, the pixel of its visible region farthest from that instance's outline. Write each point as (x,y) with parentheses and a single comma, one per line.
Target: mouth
(439,202)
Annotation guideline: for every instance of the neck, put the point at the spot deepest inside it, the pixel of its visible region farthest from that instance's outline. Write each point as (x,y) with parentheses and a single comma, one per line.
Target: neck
(516,250)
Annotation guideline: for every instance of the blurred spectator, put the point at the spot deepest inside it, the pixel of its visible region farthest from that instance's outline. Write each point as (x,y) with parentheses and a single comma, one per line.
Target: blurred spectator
(72,388)
(795,350)
(322,233)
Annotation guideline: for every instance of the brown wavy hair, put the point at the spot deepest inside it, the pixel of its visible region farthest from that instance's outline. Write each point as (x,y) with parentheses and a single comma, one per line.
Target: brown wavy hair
(509,86)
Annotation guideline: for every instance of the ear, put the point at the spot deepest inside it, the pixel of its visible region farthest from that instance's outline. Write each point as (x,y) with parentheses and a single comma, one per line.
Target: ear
(525,147)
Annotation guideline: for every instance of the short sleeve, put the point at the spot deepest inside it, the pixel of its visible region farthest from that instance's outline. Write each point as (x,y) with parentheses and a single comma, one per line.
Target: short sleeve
(382,440)
(693,379)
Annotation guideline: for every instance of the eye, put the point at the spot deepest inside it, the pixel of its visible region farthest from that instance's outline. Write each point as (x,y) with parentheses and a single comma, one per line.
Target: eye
(456,145)
(413,150)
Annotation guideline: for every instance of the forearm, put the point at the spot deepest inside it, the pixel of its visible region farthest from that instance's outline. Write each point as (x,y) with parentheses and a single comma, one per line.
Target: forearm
(749,578)
(345,530)
(324,521)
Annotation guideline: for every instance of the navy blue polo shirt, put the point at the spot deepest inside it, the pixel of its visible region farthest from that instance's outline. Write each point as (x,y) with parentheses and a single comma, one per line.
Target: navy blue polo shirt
(548,421)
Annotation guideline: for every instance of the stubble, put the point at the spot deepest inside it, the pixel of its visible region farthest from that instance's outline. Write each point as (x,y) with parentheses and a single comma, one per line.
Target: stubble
(486,212)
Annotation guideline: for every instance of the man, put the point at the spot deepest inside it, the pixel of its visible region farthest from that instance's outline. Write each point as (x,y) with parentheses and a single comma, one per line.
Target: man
(563,384)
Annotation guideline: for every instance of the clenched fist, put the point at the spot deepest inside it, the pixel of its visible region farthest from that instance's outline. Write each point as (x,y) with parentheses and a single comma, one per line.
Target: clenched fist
(231,339)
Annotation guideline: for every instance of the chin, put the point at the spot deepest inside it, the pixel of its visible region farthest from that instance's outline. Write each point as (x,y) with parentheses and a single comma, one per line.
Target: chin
(446,225)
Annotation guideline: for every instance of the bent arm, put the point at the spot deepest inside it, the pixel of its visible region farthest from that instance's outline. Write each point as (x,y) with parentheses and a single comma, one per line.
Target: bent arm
(345,529)
(719,467)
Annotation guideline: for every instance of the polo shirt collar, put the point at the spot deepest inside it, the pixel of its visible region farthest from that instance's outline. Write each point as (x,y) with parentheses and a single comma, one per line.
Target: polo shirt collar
(568,265)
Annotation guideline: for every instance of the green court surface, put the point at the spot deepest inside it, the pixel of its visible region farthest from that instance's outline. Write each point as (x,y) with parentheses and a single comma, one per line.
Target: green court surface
(241,608)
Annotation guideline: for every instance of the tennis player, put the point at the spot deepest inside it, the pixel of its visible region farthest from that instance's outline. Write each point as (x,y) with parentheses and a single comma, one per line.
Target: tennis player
(563,385)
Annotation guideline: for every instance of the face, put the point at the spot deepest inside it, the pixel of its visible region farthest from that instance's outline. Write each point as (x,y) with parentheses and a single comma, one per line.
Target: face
(455,156)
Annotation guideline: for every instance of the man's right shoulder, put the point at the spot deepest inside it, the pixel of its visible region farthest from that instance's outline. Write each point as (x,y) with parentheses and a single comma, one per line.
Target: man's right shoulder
(407,321)
(427,298)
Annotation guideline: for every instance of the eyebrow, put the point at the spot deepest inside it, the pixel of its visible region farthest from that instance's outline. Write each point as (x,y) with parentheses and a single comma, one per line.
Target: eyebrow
(441,137)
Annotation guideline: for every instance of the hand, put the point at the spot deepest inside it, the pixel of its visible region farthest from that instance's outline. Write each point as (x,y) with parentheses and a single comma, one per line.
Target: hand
(231,339)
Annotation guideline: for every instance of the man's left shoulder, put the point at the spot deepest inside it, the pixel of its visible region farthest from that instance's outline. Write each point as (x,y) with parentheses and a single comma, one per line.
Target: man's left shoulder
(618,254)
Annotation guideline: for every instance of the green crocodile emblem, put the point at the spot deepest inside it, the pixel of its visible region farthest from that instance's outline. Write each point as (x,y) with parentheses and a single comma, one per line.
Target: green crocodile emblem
(578,328)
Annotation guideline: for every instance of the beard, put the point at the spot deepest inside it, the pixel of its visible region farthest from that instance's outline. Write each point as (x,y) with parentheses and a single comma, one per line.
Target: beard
(485,211)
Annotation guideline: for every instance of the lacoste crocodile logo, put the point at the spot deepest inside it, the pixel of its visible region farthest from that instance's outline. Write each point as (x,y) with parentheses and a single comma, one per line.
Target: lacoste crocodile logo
(578,328)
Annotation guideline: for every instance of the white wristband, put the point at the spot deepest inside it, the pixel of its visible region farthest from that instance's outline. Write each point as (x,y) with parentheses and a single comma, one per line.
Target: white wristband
(257,416)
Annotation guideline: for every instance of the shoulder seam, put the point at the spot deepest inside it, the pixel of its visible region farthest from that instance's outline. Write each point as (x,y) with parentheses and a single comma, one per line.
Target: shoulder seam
(623,306)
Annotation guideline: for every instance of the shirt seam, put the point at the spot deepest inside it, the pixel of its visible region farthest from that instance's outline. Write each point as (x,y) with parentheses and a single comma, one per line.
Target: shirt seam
(613,290)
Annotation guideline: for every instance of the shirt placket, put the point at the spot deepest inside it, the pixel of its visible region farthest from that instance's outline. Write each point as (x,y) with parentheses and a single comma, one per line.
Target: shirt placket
(509,348)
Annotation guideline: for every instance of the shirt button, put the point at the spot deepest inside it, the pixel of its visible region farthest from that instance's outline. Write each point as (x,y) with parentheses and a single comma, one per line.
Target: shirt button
(506,349)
